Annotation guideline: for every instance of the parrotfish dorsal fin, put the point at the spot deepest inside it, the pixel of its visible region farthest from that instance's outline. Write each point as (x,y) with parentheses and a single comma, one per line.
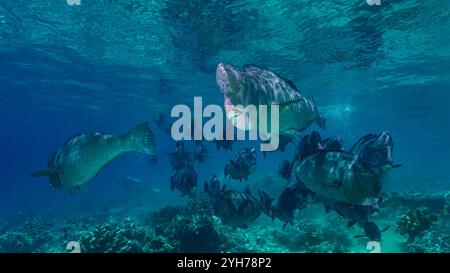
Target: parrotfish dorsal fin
(45,172)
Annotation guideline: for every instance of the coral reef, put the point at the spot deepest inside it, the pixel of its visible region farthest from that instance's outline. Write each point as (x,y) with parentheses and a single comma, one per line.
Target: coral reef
(15,242)
(430,242)
(413,224)
(163,215)
(314,236)
(192,230)
(113,237)
(435,202)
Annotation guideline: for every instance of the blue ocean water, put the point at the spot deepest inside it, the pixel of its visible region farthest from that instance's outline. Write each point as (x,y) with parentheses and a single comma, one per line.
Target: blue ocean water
(105,66)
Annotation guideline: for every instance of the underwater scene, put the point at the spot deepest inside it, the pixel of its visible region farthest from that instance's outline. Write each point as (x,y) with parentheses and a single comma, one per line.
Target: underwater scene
(225,126)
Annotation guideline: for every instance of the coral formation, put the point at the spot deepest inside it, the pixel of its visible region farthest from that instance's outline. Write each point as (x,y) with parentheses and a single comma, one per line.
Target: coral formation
(15,242)
(413,224)
(113,237)
(192,230)
(313,237)
(435,202)
(430,242)
(163,215)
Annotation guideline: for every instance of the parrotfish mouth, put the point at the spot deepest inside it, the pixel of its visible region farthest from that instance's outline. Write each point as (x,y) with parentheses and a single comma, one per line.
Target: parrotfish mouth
(227,78)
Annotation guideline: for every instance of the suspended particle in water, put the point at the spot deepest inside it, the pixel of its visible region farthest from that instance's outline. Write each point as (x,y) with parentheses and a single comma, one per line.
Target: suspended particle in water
(2,19)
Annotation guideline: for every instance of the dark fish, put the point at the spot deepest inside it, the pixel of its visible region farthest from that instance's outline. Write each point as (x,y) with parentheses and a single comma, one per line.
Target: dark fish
(253,85)
(354,177)
(163,122)
(339,176)
(200,152)
(224,143)
(357,215)
(376,150)
(291,199)
(285,170)
(185,181)
(242,165)
(82,157)
(336,143)
(308,145)
(179,157)
(283,142)
(234,208)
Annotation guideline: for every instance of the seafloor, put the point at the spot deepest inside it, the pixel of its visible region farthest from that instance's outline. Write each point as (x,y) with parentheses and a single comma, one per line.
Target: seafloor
(419,222)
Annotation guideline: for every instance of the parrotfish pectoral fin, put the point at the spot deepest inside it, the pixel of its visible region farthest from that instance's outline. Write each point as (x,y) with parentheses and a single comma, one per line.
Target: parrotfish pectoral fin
(385,228)
(391,166)
(45,172)
(318,117)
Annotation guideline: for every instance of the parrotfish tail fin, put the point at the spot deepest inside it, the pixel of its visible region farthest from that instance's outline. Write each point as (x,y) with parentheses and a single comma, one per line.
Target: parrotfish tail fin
(318,117)
(285,170)
(142,139)
(266,203)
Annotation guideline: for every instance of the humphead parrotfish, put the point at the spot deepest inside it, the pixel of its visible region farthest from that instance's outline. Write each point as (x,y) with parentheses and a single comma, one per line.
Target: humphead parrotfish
(357,215)
(354,177)
(200,152)
(185,180)
(242,166)
(291,199)
(224,143)
(163,122)
(234,208)
(180,157)
(82,157)
(253,85)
